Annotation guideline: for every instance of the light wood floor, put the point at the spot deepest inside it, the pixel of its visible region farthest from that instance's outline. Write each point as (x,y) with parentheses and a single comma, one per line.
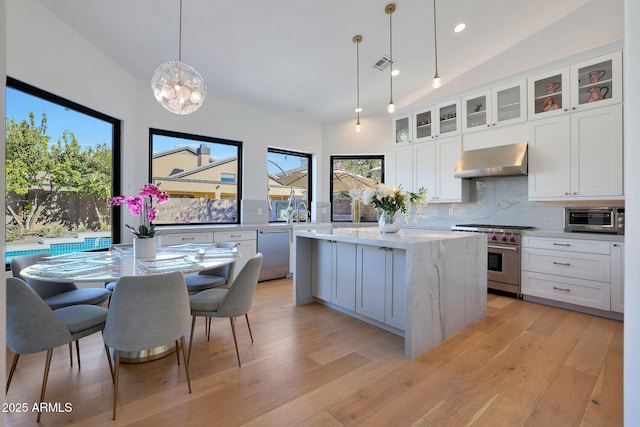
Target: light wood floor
(524,364)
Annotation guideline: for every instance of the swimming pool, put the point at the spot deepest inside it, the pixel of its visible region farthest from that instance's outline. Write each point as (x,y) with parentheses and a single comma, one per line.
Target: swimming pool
(86,244)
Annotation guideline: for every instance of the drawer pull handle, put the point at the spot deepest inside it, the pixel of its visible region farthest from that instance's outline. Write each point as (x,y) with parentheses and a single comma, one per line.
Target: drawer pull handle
(561,263)
(188,238)
(561,244)
(562,289)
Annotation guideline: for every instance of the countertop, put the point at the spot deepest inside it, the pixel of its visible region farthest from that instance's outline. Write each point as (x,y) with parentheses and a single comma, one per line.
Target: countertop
(186,228)
(403,239)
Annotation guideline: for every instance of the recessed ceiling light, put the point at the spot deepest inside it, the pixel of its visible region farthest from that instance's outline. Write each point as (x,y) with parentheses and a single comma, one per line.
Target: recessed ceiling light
(395,72)
(459,27)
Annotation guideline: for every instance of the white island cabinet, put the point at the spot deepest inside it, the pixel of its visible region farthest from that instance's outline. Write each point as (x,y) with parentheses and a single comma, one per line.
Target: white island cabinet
(423,285)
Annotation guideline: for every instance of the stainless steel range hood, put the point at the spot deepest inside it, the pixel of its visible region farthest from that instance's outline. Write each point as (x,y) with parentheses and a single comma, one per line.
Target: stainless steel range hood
(495,161)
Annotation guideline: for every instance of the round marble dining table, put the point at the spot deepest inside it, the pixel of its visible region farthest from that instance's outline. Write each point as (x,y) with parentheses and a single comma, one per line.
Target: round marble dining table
(103,267)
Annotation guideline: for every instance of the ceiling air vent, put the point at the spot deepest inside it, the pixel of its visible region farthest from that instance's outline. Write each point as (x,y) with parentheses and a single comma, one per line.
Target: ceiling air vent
(382,63)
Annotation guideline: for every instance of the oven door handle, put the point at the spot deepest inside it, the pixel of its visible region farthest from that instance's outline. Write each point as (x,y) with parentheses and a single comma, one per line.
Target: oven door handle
(508,248)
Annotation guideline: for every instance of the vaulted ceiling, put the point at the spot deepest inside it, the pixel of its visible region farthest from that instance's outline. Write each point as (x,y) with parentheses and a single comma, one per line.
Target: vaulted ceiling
(298,57)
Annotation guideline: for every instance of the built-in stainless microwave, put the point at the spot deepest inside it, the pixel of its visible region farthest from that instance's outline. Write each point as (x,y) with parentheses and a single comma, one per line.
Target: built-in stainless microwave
(594,220)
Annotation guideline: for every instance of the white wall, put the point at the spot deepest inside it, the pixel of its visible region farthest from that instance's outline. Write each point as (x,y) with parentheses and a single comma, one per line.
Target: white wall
(632,205)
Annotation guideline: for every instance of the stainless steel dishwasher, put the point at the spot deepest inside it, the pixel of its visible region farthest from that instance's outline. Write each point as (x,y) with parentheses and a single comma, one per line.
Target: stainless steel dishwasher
(274,246)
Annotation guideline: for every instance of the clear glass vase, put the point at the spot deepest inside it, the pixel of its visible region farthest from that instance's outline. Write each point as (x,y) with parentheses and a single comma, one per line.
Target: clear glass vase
(389,222)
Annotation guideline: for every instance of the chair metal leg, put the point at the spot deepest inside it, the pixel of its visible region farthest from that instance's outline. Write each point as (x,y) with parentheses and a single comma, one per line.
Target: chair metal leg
(246,316)
(209,329)
(178,352)
(193,326)
(235,340)
(16,356)
(71,354)
(78,352)
(47,365)
(186,363)
(115,383)
(106,350)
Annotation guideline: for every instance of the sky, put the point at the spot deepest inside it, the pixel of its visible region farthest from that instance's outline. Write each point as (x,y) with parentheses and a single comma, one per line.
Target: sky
(88,130)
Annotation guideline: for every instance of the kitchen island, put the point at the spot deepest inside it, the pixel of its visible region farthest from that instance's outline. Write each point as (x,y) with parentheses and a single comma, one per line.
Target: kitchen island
(423,285)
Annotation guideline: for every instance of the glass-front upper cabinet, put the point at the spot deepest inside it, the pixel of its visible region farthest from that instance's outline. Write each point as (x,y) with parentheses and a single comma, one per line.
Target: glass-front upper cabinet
(448,119)
(597,82)
(402,129)
(476,111)
(439,120)
(425,126)
(501,105)
(549,94)
(508,103)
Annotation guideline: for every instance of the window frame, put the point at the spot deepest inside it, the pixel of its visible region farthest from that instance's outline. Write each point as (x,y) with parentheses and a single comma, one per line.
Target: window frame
(309,157)
(116,139)
(332,158)
(208,140)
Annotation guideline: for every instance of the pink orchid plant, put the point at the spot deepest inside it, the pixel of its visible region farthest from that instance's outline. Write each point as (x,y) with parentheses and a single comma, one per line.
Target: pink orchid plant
(141,205)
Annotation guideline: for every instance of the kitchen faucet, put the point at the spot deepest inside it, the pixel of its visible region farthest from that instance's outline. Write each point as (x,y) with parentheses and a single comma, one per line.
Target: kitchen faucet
(298,211)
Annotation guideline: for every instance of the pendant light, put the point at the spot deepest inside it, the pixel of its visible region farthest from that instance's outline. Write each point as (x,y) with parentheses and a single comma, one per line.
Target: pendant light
(437,81)
(178,87)
(357,39)
(389,9)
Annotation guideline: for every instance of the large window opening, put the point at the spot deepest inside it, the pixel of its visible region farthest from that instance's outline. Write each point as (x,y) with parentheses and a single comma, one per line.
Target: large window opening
(350,176)
(62,164)
(289,185)
(200,173)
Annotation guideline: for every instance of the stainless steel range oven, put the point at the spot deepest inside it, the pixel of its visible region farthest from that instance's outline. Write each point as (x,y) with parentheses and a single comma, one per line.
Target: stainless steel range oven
(503,247)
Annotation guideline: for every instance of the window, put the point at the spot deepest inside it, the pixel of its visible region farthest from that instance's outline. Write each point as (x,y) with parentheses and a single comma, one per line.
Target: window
(200,174)
(289,185)
(350,176)
(62,164)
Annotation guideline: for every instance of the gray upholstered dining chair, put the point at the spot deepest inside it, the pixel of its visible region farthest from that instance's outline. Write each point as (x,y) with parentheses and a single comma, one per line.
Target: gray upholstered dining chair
(32,326)
(147,312)
(232,302)
(219,277)
(58,294)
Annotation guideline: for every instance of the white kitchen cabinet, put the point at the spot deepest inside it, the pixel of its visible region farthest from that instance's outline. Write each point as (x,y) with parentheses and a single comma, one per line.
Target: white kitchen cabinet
(597,82)
(548,94)
(334,273)
(169,239)
(381,285)
(589,84)
(617,277)
(578,156)
(434,163)
(437,121)
(402,129)
(502,105)
(246,241)
(571,271)
(403,167)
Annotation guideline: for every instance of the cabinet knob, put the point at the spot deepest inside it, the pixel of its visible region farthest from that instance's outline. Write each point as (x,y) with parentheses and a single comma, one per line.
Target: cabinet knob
(573,108)
(566,193)
(566,109)
(615,245)
(575,193)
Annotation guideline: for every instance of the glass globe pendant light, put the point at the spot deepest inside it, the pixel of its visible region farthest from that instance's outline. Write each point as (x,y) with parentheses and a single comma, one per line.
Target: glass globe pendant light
(389,9)
(178,87)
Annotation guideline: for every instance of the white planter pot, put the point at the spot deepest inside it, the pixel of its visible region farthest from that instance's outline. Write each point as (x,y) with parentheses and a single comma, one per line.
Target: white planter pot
(144,248)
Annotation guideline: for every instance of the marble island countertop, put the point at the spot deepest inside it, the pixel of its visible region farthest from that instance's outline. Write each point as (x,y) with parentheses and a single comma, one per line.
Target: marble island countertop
(403,239)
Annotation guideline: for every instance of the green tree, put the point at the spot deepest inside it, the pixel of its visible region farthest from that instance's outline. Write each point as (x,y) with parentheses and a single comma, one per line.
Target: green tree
(27,164)
(31,165)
